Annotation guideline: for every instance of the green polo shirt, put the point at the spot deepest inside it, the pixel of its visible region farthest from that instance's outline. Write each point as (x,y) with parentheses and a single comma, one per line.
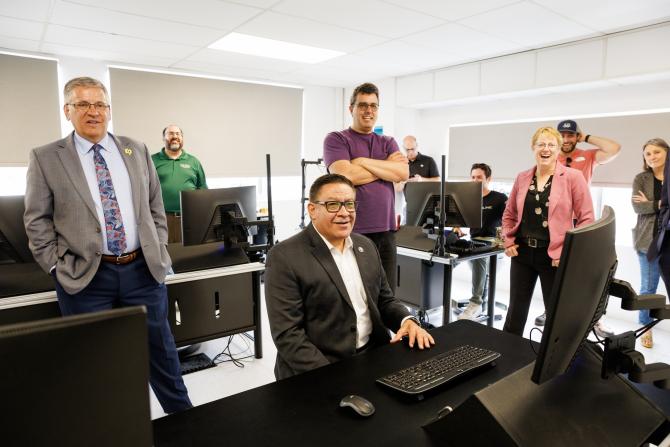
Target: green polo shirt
(181,174)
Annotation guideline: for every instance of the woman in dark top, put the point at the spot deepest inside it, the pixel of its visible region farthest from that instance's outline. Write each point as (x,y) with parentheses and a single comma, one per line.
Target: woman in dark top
(646,203)
(540,209)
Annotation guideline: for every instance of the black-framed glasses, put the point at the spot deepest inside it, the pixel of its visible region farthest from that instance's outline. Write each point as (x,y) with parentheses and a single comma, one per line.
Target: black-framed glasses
(333,206)
(568,161)
(364,106)
(84,106)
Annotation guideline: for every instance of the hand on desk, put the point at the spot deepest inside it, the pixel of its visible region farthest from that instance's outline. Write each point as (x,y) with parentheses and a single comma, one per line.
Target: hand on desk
(415,333)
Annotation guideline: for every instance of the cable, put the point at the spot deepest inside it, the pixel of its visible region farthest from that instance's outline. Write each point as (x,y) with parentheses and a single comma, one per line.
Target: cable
(226,355)
(530,338)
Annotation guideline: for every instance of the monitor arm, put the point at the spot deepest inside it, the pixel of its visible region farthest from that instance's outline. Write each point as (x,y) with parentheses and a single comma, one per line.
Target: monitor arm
(620,355)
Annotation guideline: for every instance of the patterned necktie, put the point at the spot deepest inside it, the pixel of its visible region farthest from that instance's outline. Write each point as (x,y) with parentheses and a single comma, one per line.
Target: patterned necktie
(116,235)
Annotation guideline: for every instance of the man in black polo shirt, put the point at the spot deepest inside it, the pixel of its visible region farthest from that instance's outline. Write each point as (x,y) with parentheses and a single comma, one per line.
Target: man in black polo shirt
(493,206)
(422,168)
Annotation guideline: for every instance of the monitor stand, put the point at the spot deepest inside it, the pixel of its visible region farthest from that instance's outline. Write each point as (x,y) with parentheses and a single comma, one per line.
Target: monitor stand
(576,409)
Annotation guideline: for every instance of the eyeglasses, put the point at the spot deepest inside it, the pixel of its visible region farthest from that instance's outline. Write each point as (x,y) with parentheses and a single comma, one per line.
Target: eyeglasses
(364,106)
(333,206)
(84,106)
(173,134)
(543,145)
(568,161)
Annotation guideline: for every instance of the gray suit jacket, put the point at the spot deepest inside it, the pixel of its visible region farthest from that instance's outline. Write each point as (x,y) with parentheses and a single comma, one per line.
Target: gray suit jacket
(60,218)
(312,320)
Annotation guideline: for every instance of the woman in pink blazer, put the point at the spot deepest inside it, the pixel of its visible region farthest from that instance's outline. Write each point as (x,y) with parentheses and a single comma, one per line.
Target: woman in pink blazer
(545,202)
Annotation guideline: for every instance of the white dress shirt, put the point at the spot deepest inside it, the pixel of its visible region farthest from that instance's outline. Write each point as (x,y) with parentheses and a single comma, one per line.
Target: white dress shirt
(120,179)
(348,268)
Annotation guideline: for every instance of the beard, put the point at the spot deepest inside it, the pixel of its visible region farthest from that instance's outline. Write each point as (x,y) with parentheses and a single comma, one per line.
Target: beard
(567,148)
(175,146)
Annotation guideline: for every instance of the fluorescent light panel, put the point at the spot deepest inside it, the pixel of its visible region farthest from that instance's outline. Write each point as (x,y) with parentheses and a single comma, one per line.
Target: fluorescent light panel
(276,49)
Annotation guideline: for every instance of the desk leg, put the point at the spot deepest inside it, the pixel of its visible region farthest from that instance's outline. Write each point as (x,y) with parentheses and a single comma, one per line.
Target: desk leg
(258,340)
(446,294)
(491,307)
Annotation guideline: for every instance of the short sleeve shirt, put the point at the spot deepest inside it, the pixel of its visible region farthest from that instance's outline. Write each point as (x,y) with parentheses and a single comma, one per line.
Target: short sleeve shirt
(181,174)
(376,200)
(582,160)
(423,165)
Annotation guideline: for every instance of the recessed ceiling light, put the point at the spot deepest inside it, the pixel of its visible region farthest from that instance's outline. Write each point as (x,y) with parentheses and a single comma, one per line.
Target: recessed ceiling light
(276,49)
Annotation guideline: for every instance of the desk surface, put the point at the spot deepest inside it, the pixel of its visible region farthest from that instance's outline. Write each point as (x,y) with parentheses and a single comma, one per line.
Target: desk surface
(50,296)
(304,410)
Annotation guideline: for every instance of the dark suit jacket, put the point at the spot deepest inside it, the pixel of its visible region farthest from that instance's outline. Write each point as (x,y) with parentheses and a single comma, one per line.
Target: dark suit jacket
(60,218)
(312,320)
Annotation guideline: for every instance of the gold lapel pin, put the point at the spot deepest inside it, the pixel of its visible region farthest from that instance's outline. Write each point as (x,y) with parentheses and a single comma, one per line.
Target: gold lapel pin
(128,151)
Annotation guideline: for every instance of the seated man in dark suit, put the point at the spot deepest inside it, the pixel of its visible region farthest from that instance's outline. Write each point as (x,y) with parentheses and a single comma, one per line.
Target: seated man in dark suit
(326,291)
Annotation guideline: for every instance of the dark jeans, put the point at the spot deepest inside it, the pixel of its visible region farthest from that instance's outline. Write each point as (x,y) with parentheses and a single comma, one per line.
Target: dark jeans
(132,285)
(530,264)
(385,242)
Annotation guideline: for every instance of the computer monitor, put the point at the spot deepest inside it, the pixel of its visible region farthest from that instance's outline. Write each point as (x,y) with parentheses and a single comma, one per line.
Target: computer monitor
(13,239)
(580,294)
(463,204)
(212,215)
(75,381)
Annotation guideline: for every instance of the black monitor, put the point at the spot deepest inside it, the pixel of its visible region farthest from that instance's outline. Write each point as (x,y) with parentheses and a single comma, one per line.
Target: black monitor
(217,215)
(13,239)
(463,204)
(76,381)
(580,295)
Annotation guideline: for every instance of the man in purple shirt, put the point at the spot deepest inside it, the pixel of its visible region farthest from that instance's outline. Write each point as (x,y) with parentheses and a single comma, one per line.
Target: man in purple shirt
(372,162)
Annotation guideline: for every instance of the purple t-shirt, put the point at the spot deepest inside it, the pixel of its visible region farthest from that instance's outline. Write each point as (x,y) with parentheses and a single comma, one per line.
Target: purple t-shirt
(376,200)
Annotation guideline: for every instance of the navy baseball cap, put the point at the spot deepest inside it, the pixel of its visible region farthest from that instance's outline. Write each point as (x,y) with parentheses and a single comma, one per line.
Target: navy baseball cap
(567,126)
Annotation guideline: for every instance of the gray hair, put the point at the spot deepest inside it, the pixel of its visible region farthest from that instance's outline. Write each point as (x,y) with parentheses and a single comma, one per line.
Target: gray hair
(83,81)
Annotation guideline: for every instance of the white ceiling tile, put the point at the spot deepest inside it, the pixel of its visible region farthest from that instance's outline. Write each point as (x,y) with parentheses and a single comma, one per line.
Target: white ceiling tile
(227,71)
(95,41)
(93,19)
(610,15)
(229,58)
(14,44)
(452,9)
(108,56)
(20,29)
(25,9)
(404,57)
(307,32)
(528,24)
(463,41)
(371,16)
(257,3)
(318,74)
(211,13)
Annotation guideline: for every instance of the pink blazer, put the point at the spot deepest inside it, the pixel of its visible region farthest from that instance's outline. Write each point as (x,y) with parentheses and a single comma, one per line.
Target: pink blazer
(570,196)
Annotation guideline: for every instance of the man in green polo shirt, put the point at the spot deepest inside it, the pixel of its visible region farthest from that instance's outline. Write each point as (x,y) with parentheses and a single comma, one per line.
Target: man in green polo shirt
(177,171)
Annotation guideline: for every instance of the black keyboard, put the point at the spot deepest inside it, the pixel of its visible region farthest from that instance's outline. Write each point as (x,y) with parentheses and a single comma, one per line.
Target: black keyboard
(438,370)
(466,247)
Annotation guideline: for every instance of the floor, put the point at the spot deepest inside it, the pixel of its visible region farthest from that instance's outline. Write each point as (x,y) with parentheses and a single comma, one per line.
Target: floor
(228,378)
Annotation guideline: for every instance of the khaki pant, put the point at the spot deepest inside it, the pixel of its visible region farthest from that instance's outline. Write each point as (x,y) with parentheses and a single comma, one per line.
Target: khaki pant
(174,227)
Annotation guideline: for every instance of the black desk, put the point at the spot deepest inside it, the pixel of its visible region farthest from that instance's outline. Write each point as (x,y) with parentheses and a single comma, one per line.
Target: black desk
(418,285)
(304,410)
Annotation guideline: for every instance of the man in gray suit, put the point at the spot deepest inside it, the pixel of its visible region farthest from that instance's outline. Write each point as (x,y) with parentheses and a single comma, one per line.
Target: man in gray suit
(95,220)
(326,291)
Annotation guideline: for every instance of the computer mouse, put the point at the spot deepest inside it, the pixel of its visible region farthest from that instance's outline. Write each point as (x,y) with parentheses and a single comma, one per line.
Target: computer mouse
(358,404)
